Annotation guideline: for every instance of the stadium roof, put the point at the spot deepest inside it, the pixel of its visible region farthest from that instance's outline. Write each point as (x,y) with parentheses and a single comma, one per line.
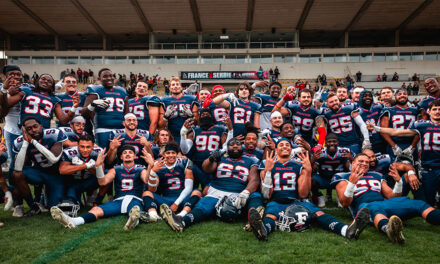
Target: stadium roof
(137,18)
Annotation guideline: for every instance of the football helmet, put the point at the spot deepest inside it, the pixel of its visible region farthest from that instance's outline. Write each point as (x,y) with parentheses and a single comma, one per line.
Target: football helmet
(295,218)
(226,210)
(69,208)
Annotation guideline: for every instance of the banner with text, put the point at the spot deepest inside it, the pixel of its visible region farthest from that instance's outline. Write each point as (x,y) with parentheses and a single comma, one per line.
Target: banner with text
(224,75)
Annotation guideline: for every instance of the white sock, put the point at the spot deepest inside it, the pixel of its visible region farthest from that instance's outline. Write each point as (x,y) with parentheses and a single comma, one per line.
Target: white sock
(344,230)
(182,213)
(153,213)
(77,221)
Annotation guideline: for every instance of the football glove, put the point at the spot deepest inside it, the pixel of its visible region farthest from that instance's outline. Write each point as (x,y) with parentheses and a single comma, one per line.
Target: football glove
(397,151)
(8,200)
(241,200)
(76,161)
(231,97)
(90,164)
(101,103)
(169,112)
(186,111)
(288,97)
(216,156)
(317,148)
(265,133)
(366,144)
(408,151)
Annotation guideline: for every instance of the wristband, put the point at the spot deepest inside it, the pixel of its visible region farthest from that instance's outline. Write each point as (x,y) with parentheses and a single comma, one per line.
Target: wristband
(411,172)
(349,190)
(153,173)
(152,178)
(4,90)
(99,172)
(398,187)
(266,185)
(377,128)
(91,107)
(73,109)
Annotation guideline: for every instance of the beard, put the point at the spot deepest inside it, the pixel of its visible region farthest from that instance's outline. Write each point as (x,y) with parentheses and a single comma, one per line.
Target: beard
(205,122)
(235,155)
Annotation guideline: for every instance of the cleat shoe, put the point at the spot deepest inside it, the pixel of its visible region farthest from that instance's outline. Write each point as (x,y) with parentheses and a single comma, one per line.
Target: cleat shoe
(133,218)
(394,230)
(321,201)
(145,217)
(18,211)
(361,220)
(59,216)
(247,227)
(35,210)
(1,224)
(256,222)
(43,208)
(174,221)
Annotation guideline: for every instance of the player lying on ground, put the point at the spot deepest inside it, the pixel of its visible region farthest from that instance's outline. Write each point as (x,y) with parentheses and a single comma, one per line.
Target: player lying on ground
(361,188)
(285,182)
(129,183)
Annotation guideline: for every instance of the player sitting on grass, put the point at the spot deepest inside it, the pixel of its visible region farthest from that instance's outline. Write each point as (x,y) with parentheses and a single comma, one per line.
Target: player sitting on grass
(129,183)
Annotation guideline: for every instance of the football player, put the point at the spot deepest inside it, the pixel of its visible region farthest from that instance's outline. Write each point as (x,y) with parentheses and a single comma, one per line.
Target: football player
(66,99)
(431,86)
(371,112)
(170,182)
(203,94)
(386,96)
(235,179)
(219,113)
(145,107)
(162,137)
(326,163)
(360,189)
(74,131)
(400,116)
(107,104)
(267,102)
(78,167)
(276,120)
(198,143)
(250,143)
(429,133)
(242,109)
(355,93)
(341,120)
(42,147)
(129,183)
(177,108)
(342,94)
(284,182)
(42,103)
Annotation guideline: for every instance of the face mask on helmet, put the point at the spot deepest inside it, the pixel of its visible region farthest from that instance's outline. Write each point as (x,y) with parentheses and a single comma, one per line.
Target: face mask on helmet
(296,218)
(226,210)
(69,208)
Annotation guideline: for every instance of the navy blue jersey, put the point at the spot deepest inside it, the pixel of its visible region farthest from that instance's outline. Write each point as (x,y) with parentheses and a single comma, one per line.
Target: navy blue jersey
(67,103)
(256,153)
(135,141)
(205,142)
(112,117)
(128,181)
(139,107)
(50,138)
(175,122)
(383,164)
(267,103)
(242,113)
(343,124)
(232,174)
(156,152)
(304,120)
(373,115)
(329,165)
(39,105)
(73,153)
(70,134)
(172,179)
(218,113)
(430,139)
(274,134)
(425,102)
(285,178)
(401,118)
(368,189)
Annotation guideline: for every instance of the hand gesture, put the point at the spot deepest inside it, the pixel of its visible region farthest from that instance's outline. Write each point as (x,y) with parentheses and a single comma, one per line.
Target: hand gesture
(271,158)
(142,140)
(287,97)
(189,123)
(271,143)
(160,164)
(228,123)
(302,143)
(370,125)
(115,143)
(316,155)
(26,136)
(101,157)
(305,161)
(169,111)
(356,174)
(147,157)
(394,173)
(187,111)
(240,137)
(413,181)
(76,100)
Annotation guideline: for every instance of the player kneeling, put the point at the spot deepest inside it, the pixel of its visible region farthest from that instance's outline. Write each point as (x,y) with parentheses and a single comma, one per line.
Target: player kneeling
(285,182)
(129,183)
(170,183)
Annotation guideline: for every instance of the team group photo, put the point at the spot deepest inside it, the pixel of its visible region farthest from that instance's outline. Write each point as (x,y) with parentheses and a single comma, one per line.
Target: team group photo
(220,132)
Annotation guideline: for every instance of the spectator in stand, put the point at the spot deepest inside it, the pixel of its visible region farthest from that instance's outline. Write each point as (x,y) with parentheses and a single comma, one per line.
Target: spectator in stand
(318,80)
(324,79)
(403,86)
(415,88)
(139,77)
(307,85)
(409,88)
(414,78)
(395,77)
(302,86)
(91,77)
(34,77)
(378,79)
(124,80)
(119,79)
(79,73)
(384,77)
(85,76)
(25,78)
(271,75)
(277,73)
(358,76)
(166,85)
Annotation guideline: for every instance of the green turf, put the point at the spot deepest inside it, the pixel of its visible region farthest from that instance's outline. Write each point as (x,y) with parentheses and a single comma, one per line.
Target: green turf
(39,239)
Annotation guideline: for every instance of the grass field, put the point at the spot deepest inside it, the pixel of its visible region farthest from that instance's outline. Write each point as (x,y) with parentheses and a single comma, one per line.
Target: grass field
(39,239)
